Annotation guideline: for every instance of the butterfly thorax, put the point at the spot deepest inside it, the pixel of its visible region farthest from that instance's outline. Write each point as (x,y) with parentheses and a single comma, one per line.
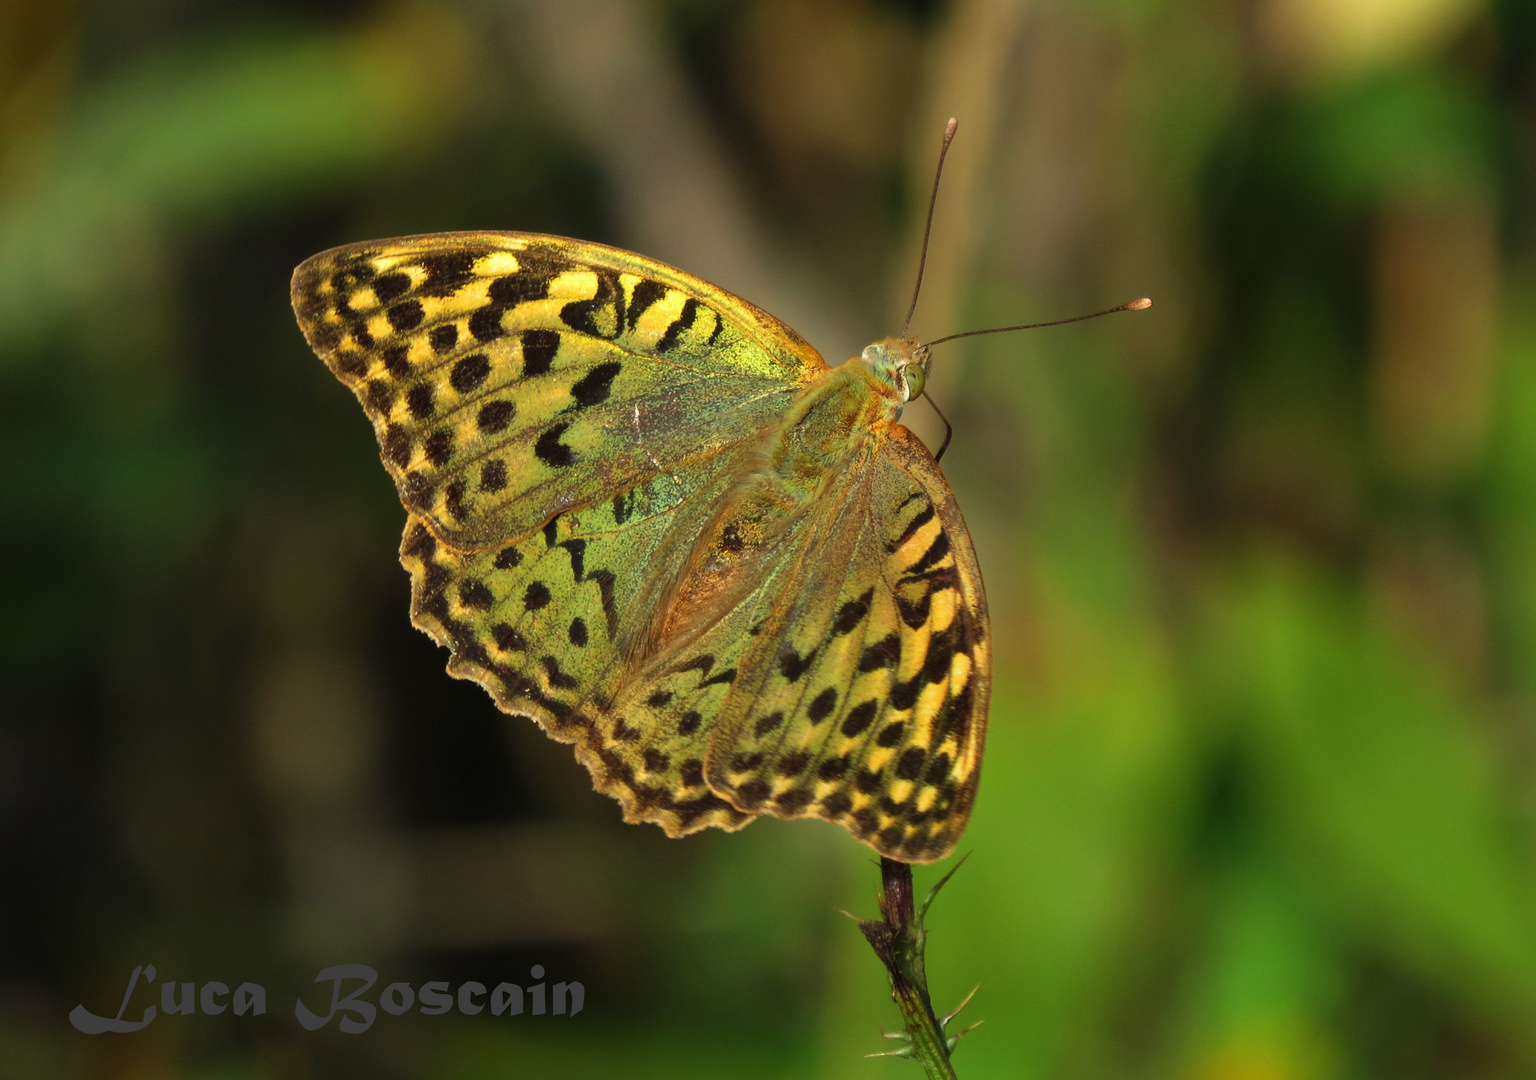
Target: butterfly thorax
(836,418)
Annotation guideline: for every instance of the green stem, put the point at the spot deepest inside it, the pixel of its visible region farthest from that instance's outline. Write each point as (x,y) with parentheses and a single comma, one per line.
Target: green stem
(898,941)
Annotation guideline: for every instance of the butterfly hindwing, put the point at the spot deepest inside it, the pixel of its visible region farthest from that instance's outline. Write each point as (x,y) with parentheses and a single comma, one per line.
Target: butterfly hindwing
(852,684)
(512,376)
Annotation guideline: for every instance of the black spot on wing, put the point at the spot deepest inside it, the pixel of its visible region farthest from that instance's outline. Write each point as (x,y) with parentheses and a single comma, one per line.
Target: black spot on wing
(646,293)
(835,805)
(443,337)
(793,763)
(768,723)
(507,639)
(941,652)
(623,505)
(453,499)
(919,519)
(852,613)
(938,769)
(493,476)
(935,553)
(683,321)
(508,558)
(391,287)
(603,315)
(725,677)
(833,768)
(915,612)
(604,580)
(796,799)
(449,272)
(380,395)
(655,760)
(792,665)
(485,323)
(882,654)
(406,315)
(396,359)
(859,718)
(753,793)
(469,373)
(954,719)
(910,765)
(439,447)
(419,401)
(904,694)
(494,416)
(539,348)
(701,663)
(397,445)
(550,450)
(352,270)
(557,678)
(595,386)
(821,705)
(502,294)
(577,550)
(474,594)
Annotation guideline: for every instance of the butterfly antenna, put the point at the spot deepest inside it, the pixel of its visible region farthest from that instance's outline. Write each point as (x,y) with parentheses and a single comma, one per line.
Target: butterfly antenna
(933,198)
(1133,305)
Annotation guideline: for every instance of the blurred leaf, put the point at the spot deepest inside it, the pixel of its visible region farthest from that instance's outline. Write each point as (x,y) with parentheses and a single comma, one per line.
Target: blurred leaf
(1408,132)
(209,130)
(1508,497)
(1266,981)
(1384,793)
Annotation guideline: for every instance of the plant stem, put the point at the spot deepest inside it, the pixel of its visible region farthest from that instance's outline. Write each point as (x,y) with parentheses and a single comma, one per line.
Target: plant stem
(898,941)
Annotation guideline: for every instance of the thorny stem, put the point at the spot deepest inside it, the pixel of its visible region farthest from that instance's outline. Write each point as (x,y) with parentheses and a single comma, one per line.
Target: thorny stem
(898,941)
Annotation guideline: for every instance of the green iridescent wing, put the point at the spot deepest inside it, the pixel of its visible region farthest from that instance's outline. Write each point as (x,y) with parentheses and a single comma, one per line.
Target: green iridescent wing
(510,376)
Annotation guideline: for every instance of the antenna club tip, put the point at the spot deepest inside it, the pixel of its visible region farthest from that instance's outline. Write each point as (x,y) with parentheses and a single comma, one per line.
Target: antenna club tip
(951,125)
(1139,305)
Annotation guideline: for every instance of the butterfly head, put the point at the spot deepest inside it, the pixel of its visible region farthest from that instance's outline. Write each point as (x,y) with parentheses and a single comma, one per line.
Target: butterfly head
(901,363)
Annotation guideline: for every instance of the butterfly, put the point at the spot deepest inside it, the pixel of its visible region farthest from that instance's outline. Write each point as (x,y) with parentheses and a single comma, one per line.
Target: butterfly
(649,516)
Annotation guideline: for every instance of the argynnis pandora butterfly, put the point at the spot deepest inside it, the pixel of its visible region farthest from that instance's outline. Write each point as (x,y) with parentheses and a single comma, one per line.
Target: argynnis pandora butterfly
(649,516)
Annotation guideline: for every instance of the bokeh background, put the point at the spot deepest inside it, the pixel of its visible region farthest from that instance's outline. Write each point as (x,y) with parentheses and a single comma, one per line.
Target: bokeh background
(1260,796)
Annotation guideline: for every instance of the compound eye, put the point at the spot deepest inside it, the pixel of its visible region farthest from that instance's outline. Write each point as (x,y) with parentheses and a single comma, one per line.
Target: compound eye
(914,377)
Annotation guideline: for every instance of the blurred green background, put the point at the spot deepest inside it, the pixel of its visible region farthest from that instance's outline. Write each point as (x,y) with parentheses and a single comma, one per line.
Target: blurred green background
(1260,796)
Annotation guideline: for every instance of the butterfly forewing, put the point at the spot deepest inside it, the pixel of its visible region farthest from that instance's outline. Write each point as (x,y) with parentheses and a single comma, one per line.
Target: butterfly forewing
(510,376)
